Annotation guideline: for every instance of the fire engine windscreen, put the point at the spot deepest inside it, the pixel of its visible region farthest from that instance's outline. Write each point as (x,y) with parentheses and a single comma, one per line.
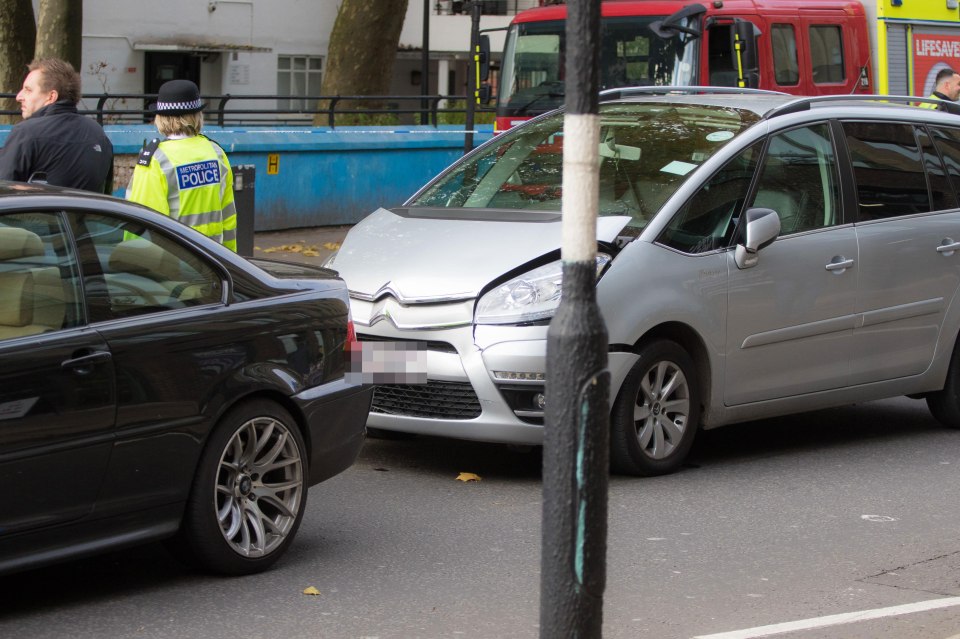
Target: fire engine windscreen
(631,55)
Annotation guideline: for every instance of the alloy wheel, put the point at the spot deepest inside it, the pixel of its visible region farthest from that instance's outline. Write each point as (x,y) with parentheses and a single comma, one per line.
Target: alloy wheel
(662,410)
(258,489)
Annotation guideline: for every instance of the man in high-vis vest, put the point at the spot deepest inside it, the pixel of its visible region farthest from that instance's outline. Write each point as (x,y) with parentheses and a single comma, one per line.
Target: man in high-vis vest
(186,175)
(947,88)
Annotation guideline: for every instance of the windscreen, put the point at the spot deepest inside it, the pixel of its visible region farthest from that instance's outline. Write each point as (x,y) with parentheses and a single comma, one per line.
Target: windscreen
(631,55)
(646,151)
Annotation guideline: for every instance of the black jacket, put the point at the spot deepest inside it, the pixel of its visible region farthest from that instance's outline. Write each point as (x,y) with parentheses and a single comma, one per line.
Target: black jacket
(70,149)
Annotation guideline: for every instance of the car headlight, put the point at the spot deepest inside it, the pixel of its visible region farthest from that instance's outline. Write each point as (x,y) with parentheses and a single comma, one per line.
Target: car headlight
(329,260)
(532,296)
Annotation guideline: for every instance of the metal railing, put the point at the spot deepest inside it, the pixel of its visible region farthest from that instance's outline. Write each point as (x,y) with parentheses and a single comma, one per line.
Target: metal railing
(266,110)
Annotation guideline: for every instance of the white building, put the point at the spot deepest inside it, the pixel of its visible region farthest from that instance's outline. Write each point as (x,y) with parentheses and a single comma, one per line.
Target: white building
(264,47)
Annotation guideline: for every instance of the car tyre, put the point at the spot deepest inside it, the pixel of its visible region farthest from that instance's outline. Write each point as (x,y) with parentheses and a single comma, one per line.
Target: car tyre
(656,414)
(945,404)
(249,493)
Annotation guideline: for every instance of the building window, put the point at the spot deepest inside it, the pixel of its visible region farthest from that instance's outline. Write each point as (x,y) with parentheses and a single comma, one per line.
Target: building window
(299,76)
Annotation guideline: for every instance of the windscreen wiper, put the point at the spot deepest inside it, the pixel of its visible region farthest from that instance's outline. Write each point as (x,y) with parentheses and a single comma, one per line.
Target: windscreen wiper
(551,93)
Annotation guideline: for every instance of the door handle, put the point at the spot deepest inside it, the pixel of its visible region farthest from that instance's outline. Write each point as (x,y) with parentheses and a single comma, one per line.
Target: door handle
(948,247)
(83,363)
(839,264)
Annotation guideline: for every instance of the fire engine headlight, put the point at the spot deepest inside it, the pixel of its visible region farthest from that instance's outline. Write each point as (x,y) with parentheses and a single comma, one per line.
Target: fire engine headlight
(532,296)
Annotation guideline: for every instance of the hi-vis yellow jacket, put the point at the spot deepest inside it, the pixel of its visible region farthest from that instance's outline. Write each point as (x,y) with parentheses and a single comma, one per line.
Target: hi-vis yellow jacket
(188,179)
(936,95)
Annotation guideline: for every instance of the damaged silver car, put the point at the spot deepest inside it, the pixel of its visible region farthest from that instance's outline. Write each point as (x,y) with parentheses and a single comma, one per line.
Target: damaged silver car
(758,255)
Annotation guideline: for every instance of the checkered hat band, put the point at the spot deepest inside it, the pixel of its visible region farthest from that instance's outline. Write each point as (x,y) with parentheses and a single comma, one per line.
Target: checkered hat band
(179,106)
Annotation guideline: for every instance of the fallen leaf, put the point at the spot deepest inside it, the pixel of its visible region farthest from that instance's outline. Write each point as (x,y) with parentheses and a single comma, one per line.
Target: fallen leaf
(331,246)
(310,253)
(311,591)
(293,248)
(468,477)
(272,249)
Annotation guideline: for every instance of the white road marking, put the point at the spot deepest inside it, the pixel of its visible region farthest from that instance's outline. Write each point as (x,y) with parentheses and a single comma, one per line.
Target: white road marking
(834,620)
(878,518)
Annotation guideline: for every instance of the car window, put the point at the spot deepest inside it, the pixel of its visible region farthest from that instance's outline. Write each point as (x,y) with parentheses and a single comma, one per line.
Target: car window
(783,41)
(129,269)
(947,142)
(798,179)
(826,54)
(722,55)
(707,221)
(39,281)
(646,151)
(941,193)
(887,169)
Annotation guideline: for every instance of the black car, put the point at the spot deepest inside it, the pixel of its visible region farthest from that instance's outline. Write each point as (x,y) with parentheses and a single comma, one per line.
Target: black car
(155,385)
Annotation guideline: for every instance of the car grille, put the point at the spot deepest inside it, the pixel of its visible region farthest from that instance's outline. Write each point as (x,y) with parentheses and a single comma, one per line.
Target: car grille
(439,400)
(432,345)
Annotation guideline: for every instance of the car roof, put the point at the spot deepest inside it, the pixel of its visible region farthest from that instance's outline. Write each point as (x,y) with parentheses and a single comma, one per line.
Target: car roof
(17,196)
(35,189)
(770,104)
(760,102)
(35,196)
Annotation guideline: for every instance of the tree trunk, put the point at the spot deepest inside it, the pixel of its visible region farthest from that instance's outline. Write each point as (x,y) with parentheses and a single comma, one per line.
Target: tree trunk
(363,46)
(60,30)
(17,34)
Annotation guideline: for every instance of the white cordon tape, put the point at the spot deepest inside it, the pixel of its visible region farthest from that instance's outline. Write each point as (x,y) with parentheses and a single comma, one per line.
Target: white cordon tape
(581,187)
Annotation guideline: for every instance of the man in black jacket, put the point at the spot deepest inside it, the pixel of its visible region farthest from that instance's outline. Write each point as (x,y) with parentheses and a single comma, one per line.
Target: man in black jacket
(54,143)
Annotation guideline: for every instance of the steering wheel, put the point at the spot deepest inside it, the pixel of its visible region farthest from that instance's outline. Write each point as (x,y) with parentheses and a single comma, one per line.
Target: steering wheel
(133,291)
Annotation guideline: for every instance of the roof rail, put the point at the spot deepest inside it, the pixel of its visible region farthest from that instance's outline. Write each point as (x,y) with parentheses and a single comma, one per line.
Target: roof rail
(804,103)
(622,92)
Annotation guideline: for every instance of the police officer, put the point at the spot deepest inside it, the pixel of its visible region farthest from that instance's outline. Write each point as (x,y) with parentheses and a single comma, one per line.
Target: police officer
(54,143)
(947,88)
(186,176)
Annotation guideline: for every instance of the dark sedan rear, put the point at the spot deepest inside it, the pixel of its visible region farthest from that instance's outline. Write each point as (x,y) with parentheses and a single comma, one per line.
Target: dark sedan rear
(155,385)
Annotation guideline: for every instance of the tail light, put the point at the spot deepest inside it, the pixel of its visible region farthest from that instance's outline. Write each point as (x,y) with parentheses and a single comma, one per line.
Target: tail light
(351,336)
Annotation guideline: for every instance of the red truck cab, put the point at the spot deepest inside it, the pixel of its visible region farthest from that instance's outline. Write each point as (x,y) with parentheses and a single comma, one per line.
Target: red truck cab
(819,47)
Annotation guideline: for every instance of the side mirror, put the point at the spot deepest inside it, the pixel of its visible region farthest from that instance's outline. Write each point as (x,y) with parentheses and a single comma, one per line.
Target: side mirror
(483,58)
(745,35)
(484,94)
(680,22)
(761,229)
(610,149)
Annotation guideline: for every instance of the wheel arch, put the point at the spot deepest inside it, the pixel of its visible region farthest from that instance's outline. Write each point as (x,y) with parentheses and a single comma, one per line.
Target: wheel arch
(276,397)
(691,341)
(943,365)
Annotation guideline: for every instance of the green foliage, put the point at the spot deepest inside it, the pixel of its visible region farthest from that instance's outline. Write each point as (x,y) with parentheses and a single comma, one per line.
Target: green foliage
(457,114)
(365,119)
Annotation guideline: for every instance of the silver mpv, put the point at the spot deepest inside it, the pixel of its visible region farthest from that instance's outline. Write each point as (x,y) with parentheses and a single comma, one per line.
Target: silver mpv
(758,254)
